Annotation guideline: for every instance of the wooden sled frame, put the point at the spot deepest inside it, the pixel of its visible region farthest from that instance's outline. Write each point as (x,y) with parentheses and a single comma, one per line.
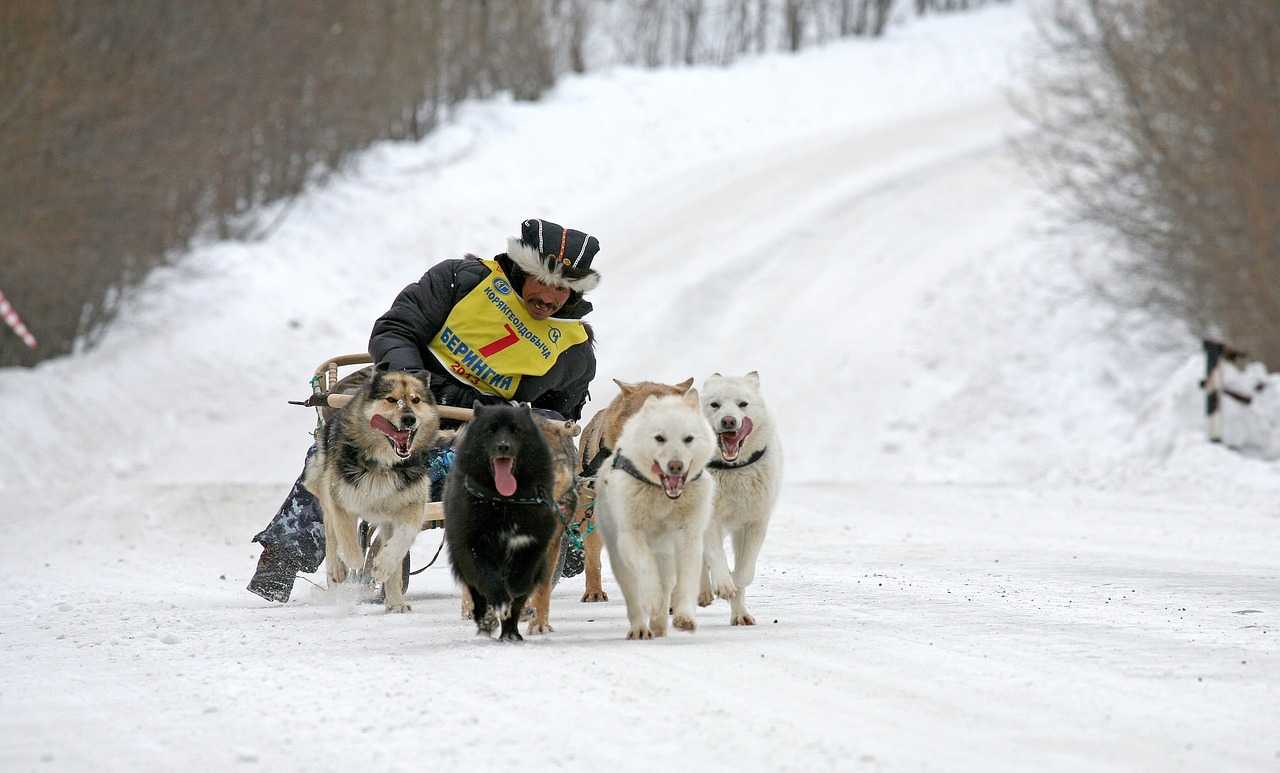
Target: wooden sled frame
(326,398)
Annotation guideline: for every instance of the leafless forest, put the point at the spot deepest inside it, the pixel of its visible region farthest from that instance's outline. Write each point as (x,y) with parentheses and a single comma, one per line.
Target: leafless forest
(129,129)
(1160,126)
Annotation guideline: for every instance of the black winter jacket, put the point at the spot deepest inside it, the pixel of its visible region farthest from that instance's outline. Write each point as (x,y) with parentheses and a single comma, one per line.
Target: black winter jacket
(401,338)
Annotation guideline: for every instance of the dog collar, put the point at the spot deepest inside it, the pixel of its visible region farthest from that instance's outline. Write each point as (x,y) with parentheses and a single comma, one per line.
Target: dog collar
(474,490)
(716,464)
(592,467)
(621,462)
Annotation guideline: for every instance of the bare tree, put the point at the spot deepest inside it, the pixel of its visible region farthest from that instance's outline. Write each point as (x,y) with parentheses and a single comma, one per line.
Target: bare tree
(128,129)
(794,15)
(1159,123)
(863,17)
(574,18)
(691,11)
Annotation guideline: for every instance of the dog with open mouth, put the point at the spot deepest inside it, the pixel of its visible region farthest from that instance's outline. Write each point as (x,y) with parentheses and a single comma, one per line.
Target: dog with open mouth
(371,465)
(748,473)
(500,514)
(653,504)
(599,438)
(559,435)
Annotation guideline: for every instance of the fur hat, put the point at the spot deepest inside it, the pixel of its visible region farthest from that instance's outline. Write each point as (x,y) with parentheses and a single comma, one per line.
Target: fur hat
(554,255)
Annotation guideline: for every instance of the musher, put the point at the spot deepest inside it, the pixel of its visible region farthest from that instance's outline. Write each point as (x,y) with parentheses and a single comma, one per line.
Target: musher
(506,329)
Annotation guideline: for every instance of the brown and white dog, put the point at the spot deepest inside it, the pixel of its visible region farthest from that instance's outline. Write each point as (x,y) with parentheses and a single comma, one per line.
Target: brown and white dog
(559,436)
(370,465)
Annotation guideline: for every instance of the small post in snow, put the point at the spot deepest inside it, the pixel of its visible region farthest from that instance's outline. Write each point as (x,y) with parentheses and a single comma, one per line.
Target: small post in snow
(1216,355)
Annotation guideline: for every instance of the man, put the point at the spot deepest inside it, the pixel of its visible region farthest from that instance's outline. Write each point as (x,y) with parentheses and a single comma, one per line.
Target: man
(507,329)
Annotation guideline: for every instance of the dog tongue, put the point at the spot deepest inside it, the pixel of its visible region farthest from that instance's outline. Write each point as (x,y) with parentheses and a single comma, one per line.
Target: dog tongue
(672,484)
(399,436)
(502,477)
(731,442)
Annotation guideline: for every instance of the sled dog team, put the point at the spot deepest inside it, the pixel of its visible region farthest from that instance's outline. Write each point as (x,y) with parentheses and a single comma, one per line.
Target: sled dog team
(665,473)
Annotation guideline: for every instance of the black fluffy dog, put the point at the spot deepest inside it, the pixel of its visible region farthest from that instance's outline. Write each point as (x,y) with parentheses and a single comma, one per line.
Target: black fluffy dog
(498,515)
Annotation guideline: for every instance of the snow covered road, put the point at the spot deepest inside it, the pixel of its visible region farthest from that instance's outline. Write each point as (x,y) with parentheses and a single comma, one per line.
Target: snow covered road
(916,627)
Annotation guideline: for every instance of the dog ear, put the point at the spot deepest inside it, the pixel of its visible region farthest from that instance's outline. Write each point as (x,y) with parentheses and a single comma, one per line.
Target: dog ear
(690,398)
(754,378)
(376,372)
(684,386)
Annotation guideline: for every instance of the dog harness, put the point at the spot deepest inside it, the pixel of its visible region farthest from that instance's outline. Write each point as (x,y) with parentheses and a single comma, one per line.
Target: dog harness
(474,490)
(592,467)
(572,530)
(621,462)
(716,464)
(493,363)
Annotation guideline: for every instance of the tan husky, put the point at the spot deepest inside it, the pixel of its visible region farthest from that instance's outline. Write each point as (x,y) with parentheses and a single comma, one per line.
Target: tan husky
(599,440)
(370,465)
(559,436)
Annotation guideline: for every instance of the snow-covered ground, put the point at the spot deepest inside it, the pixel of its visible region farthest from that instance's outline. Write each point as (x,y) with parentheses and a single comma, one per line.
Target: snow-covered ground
(1004,542)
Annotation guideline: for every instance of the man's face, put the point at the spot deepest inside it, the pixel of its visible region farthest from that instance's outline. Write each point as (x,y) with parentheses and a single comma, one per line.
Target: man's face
(543,300)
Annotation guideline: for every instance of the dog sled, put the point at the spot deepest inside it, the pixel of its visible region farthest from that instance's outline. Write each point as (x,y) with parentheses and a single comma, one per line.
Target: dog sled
(331,390)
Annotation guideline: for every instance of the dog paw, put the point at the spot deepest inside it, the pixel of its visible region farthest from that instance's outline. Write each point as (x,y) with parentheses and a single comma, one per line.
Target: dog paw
(594,595)
(640,633)
(684,623)
(537,629)
(399,608)
(511,636)
(725,588)
(336,575)
(743,619)
(705,598)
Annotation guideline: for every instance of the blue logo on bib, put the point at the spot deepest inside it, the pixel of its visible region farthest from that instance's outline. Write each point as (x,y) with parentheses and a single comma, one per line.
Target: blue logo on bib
(502,286)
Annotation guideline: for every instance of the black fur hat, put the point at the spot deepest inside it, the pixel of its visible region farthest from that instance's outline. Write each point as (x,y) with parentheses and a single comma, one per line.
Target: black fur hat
(554,255)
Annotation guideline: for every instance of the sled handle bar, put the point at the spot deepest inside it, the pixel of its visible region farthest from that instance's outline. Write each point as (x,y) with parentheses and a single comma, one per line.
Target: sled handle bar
(331,400)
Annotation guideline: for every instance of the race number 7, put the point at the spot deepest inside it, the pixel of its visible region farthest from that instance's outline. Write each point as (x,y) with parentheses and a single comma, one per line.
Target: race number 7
(488,350)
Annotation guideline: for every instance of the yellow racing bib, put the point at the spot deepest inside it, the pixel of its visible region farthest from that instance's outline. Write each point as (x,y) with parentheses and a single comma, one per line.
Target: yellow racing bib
(490,342)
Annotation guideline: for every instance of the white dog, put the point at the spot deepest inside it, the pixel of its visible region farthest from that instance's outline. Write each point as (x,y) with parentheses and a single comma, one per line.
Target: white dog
(748,473)
(653,505)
